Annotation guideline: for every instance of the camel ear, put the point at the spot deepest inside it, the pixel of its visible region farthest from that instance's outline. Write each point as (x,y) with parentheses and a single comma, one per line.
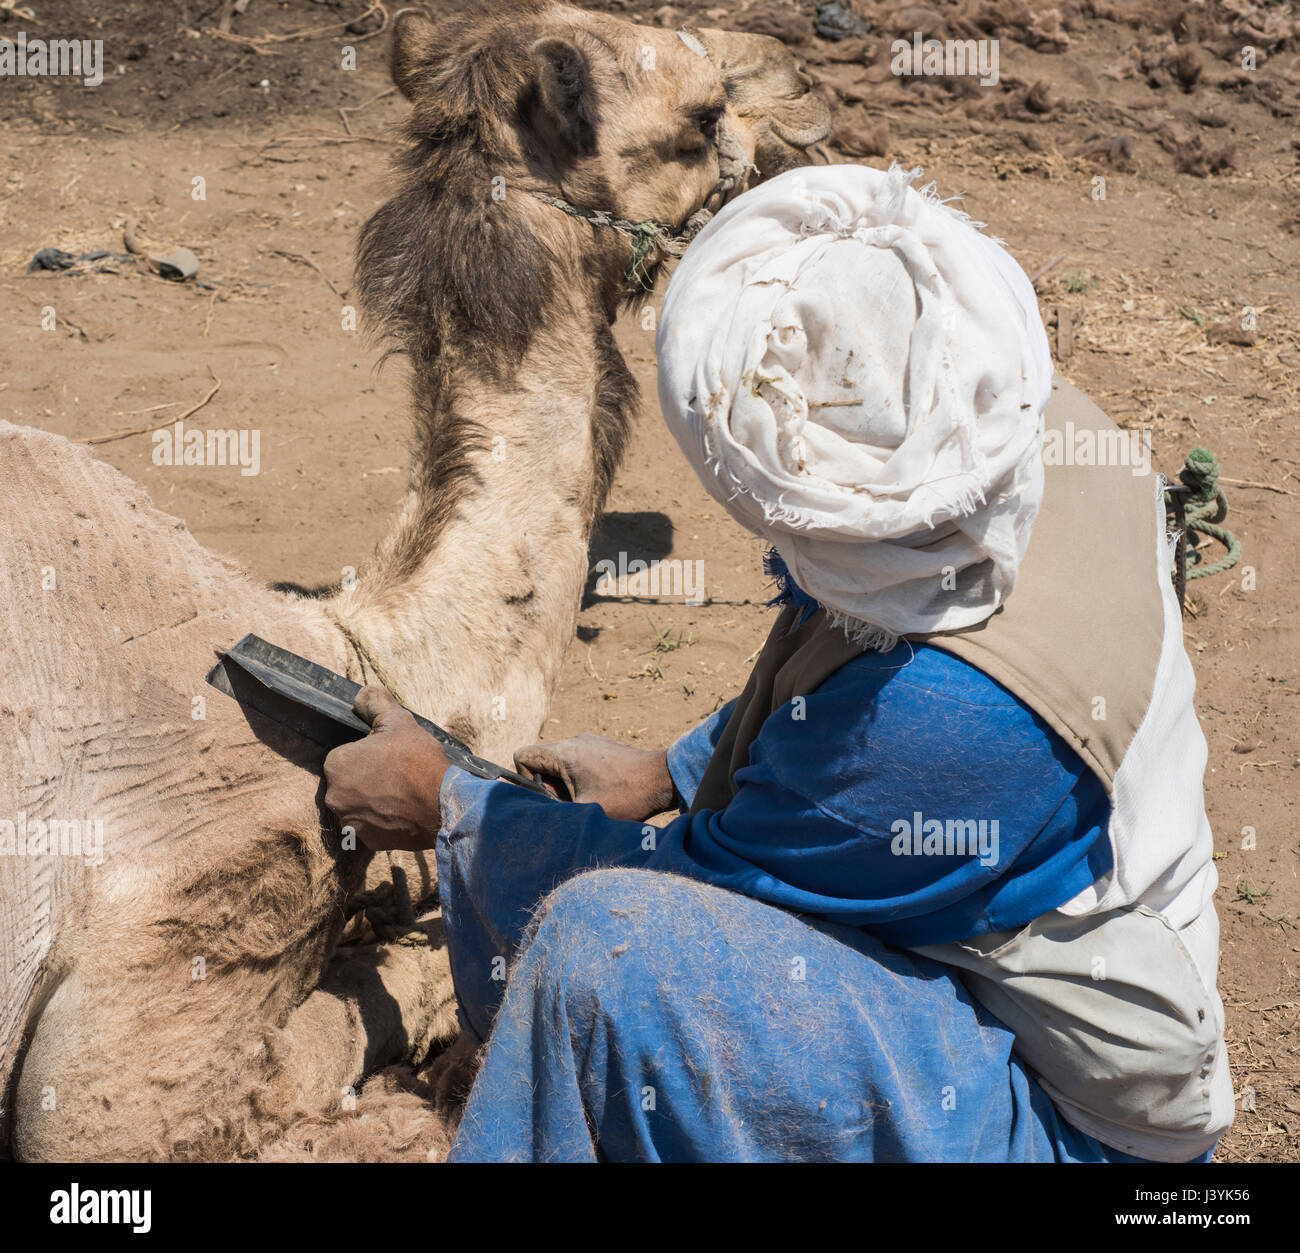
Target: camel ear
(414,45)
(565,88)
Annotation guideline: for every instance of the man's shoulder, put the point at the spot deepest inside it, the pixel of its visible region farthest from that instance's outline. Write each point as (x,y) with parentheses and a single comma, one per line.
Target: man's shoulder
(915,673)
(883,719)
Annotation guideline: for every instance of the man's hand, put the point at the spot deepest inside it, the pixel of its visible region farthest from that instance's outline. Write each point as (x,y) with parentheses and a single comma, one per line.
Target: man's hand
(386,786)
(626,782)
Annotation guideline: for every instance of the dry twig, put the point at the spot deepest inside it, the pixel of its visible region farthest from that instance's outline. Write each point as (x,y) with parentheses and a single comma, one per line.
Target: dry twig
(345,109)
(1263,487)
(255,42)
(1044,270)
(297,256)
(143,430)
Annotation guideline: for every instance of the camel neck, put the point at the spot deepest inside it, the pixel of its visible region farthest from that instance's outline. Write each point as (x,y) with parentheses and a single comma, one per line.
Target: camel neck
(473,597)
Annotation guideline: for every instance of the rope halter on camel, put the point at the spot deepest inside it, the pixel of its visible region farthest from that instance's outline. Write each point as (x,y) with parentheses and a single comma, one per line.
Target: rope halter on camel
(651,240)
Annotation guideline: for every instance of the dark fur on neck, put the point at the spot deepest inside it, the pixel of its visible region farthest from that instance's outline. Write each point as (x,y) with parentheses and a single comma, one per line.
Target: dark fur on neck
(461,283)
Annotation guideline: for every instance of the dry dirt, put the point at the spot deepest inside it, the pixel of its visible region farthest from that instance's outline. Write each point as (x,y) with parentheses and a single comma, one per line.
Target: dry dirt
(1202,190)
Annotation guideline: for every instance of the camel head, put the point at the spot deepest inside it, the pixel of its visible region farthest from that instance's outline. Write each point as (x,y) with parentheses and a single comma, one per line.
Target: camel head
(644,123)
(555,157)
(772,116)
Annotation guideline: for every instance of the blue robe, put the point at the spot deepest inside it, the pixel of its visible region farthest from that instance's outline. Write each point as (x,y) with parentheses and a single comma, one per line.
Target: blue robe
(731,986)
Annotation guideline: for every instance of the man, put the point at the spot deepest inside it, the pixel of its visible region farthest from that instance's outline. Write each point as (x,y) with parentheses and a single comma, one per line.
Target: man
(940,889)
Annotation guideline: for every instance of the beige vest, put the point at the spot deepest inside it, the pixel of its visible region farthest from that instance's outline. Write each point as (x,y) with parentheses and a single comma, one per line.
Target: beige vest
(1086,582)
(1112,997)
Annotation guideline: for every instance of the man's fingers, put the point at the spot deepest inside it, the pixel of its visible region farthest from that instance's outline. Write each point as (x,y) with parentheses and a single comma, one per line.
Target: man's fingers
(542,762)
(539,758)
(341,772)
(378,706)
(337,761)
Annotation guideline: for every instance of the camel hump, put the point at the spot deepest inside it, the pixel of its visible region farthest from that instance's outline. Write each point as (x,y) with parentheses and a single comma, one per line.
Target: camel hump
(92,573)
(115,614)
(113,750)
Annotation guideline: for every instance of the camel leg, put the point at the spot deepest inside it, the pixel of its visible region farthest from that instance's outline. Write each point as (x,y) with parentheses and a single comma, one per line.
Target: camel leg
(115,1073)
(378,1004)
(395,1116)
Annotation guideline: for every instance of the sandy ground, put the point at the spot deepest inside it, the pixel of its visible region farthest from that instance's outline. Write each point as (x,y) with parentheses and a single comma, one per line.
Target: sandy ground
(1199,160)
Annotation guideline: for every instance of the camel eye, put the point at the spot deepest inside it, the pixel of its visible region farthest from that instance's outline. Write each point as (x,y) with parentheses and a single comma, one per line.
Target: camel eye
(698,130)
(707,120)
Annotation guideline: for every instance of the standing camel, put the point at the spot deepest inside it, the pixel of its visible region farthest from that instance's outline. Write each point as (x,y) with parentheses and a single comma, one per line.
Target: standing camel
(179,1000)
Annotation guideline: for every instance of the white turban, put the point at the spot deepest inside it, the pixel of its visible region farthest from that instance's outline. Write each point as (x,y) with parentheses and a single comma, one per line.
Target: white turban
(859,376)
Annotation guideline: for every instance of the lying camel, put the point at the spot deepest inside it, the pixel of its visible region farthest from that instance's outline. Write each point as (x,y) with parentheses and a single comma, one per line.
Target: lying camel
(179,1000)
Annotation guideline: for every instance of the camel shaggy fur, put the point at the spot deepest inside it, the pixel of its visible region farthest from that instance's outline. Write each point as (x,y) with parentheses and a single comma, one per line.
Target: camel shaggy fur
(187,996)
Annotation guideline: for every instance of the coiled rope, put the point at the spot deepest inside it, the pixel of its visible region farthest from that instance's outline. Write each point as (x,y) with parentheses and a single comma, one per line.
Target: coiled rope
(1200,505)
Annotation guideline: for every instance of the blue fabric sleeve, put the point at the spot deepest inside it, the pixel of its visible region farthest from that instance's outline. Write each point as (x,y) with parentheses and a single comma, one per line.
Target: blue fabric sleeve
(688,756)
(835,816)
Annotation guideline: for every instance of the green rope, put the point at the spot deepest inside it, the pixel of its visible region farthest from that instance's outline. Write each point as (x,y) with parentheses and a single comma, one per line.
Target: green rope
(1206,508)
(644,242)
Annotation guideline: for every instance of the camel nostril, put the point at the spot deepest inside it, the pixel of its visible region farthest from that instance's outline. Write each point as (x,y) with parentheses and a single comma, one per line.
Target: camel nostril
(802,134)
